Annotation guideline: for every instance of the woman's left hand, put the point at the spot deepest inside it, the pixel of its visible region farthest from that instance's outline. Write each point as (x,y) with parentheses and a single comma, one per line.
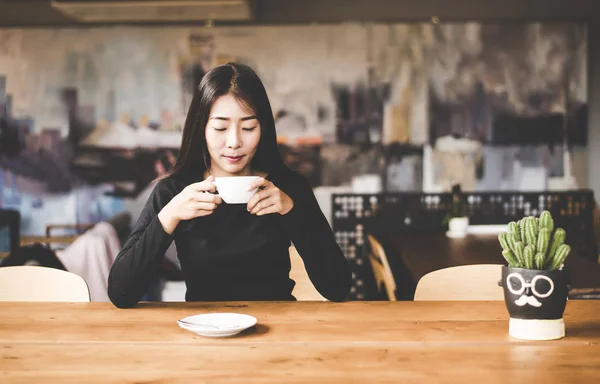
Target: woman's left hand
(268,199)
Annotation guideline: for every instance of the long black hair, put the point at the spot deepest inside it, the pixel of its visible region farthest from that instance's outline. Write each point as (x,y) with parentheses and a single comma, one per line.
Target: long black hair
(244,84)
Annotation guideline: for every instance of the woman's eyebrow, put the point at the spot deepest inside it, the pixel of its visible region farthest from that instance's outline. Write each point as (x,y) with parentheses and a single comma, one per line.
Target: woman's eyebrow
(253,117)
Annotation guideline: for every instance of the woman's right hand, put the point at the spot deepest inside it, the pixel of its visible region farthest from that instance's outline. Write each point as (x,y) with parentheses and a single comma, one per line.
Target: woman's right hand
(193,201)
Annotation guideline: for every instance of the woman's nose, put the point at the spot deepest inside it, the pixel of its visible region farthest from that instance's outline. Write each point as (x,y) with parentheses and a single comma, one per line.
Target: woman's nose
(233,140)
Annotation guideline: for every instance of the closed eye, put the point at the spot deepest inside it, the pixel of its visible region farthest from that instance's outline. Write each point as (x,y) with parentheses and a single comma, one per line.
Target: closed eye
(219,129)
(249,129)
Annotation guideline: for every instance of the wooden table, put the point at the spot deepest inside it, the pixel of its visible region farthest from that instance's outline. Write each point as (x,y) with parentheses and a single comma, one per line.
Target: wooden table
(420,254)
(392,342)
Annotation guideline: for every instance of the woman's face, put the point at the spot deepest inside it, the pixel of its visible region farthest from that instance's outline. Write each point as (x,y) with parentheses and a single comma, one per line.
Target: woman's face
(232,136)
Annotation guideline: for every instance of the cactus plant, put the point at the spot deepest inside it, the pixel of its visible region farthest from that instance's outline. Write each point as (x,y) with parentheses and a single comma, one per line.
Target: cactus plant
(514,229)
(529,254)
(520,252)
(521,231)
(530,231)
(540,260)
(503,239)
(511,258)
(543,240)
(557,241)
(546,221)
(559,258)
(533,243)
(512,241)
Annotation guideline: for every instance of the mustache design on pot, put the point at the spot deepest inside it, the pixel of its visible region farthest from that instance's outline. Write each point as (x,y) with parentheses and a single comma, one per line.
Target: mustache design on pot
(531,300)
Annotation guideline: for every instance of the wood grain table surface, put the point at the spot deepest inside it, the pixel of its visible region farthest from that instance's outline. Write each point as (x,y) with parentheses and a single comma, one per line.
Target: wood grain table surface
(292,342)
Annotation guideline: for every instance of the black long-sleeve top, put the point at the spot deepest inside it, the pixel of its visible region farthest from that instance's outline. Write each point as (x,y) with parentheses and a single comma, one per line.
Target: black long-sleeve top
(232,255)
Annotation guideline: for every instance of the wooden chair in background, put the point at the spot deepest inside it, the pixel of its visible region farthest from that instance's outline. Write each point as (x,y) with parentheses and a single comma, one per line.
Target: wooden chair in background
(467,282)
(304,290)
(68,233)
(381,269)
(32,283)
(60,241)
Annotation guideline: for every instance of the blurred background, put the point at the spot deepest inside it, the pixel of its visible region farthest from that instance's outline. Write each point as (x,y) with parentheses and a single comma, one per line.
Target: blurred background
(369,96)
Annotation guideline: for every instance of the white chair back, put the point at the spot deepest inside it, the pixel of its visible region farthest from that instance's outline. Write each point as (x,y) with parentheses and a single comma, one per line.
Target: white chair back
(467,282)
(33,283)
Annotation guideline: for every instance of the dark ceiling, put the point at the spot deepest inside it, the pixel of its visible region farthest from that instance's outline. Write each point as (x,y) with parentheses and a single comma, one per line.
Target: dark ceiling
(32,13)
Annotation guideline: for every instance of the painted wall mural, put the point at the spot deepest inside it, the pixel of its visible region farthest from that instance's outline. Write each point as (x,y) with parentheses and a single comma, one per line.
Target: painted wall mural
(90,117)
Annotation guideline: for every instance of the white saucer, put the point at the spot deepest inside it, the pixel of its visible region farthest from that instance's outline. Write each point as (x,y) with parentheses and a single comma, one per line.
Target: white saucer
(217,324)
(456,235)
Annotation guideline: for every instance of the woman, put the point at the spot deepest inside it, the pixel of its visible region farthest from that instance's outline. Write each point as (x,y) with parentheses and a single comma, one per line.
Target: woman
(230,252)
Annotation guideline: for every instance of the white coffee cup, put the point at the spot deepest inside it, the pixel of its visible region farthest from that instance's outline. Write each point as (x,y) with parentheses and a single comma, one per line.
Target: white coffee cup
(234,189)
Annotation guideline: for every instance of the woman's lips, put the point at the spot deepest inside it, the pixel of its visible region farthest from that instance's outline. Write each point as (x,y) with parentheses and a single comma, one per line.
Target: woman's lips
(233,159)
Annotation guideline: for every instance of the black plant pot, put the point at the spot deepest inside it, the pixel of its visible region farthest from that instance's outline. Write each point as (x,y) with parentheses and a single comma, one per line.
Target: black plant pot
(536,301)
